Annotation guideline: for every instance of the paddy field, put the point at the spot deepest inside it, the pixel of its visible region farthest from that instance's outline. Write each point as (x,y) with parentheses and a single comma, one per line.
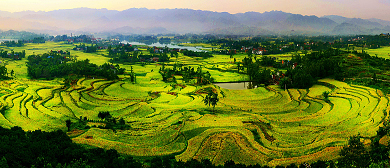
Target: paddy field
(266,125)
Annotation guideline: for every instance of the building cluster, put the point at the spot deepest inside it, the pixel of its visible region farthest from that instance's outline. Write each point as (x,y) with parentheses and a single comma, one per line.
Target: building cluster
(277,75)
(163,49)
(256,51)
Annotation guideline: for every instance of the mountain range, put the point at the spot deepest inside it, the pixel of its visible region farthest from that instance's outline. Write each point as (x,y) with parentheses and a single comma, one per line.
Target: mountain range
(164,21)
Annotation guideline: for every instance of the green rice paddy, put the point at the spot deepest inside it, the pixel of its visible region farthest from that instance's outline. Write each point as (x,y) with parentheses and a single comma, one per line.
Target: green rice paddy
(382,52)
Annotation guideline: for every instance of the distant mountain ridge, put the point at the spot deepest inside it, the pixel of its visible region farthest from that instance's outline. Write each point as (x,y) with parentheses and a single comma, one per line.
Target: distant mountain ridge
(164,21)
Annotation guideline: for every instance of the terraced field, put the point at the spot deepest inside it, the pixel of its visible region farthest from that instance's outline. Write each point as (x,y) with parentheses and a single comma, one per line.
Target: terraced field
(263,125)
(268,126)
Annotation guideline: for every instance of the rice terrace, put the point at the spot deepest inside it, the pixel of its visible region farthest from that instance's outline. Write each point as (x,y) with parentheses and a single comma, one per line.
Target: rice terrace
(155,108)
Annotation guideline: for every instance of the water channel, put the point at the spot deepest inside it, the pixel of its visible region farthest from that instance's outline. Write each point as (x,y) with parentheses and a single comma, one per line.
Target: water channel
(237,85)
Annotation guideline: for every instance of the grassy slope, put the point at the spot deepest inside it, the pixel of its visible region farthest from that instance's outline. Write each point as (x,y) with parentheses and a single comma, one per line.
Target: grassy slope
(382,52)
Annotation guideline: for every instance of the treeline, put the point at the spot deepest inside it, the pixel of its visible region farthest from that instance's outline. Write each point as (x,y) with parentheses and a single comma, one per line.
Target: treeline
(58,64)
(188,73)
(376,77)
(366,41)
(20,149)
(4,72)
(136,56)
(119,49)
(125,53)
(140,38)
(311,67)
(12,43)
(270,45)
(197,54)
(122,53)
(74,38)
(287,44)
(163,40)
(302,72)
(21,35)
(13,55)
(35,40)
(86,49)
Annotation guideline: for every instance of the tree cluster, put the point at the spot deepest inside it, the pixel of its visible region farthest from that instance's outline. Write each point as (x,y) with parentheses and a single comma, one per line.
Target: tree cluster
(140,38)
(254,70)
(187,73)
(197,54)
(52,64)
(86,49)
(21,149)
(211,99)
(355,154)
(4,72)
(163,40)
(55,149)
(125,53)
(70,39)
(12,43)
(13,55)
(111,122)
(23,36)
(119,49)
(133,77)
(302,72)
(315,65)
(36,40)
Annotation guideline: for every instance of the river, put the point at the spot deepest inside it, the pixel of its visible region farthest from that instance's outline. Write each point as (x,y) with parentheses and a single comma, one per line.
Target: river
(171,45)
(2,40)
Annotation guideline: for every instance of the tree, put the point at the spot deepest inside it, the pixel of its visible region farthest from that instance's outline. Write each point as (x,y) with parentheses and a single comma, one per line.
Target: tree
(319,164)
(104,115)
(122,121)
(132,75)
(354,154)
(249,53)
(231,53)
(302,80)
(374,78)
(174,53)
(378,152)
(285,83)
(214,100)
(3,163)
(3,72)
(68,123)
(326,96)
(211,99)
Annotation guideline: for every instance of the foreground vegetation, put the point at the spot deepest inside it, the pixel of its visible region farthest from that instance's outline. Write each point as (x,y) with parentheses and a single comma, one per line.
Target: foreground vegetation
(56,149)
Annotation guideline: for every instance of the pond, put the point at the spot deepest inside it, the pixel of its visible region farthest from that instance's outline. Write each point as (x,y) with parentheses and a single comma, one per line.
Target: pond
(171,45)
(237,85)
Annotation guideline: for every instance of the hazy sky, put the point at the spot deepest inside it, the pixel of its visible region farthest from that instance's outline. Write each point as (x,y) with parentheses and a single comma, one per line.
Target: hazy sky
(349,8)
